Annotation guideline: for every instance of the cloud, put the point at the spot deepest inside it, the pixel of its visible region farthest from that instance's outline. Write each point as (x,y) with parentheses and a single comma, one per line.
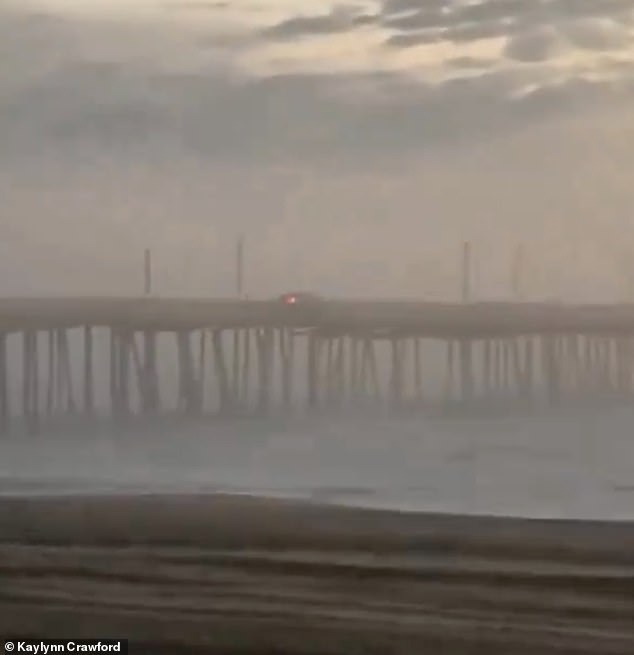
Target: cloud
(413,39)
(449,13)
(339,19)
(469,63)
(193,5)
(595,20)
(390,7)
(283,118)
(421,19)
(540,44)
(104,148)
(544,43)
(133,108)
(600,34)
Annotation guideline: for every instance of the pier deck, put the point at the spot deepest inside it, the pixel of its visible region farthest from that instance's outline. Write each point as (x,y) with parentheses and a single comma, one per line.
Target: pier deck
(430,319)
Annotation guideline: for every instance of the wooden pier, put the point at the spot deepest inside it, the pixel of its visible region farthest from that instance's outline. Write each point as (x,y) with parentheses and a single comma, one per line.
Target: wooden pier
(128,358)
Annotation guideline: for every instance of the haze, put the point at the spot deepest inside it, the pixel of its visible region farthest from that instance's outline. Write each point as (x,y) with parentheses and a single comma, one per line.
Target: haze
(355,144)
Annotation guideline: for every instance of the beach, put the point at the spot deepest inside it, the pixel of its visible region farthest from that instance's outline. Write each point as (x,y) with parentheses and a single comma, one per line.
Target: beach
(218,573)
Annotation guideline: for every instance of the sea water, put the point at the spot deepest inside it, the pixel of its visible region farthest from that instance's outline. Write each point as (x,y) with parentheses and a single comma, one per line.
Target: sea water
(574,464)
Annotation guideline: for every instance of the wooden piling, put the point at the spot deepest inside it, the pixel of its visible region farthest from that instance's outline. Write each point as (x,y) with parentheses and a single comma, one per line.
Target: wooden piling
(265,345)
(550,369)
(4,385)
(124,373)
(466,371)
(246,370)
(66,372)
(396,374)
(529,371)
(190,399)
(119,374)
(202,371)
(89,393)
(369,368)
(287,361)
(30,379)
(418,372)
(150,394)
(339,372)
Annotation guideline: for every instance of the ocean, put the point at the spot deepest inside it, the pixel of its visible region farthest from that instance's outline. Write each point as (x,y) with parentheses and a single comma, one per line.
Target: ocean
(566,464)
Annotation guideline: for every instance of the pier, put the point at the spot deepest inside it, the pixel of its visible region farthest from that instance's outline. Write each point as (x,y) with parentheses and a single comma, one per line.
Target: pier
(125,359)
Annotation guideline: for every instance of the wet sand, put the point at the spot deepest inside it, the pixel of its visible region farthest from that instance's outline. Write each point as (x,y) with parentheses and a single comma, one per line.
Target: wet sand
(231,574)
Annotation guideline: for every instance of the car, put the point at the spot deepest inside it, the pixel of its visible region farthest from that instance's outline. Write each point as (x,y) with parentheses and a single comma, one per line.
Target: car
(301,298)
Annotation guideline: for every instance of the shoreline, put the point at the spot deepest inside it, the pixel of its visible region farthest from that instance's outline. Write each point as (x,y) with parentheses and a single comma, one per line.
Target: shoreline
(219,519)
(237,574)
(352,499)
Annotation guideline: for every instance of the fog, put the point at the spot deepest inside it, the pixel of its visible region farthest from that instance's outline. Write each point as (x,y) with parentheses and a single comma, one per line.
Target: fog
(356,146)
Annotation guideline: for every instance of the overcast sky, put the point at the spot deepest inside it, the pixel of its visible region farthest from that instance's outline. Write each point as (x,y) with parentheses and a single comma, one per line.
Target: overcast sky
(357,144)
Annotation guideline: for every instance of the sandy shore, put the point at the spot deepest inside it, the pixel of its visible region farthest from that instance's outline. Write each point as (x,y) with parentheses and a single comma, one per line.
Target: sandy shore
(227,574)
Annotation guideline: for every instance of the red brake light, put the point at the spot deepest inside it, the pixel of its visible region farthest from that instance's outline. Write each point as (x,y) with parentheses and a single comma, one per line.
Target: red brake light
(290,299)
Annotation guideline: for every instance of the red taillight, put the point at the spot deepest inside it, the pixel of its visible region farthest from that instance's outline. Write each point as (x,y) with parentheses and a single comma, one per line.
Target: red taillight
(290,300)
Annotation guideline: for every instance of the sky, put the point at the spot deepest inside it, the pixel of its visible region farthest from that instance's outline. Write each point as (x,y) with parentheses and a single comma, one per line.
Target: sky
(356,145)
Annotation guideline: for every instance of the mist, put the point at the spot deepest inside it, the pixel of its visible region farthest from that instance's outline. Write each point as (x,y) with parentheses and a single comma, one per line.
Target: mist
(356,147)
